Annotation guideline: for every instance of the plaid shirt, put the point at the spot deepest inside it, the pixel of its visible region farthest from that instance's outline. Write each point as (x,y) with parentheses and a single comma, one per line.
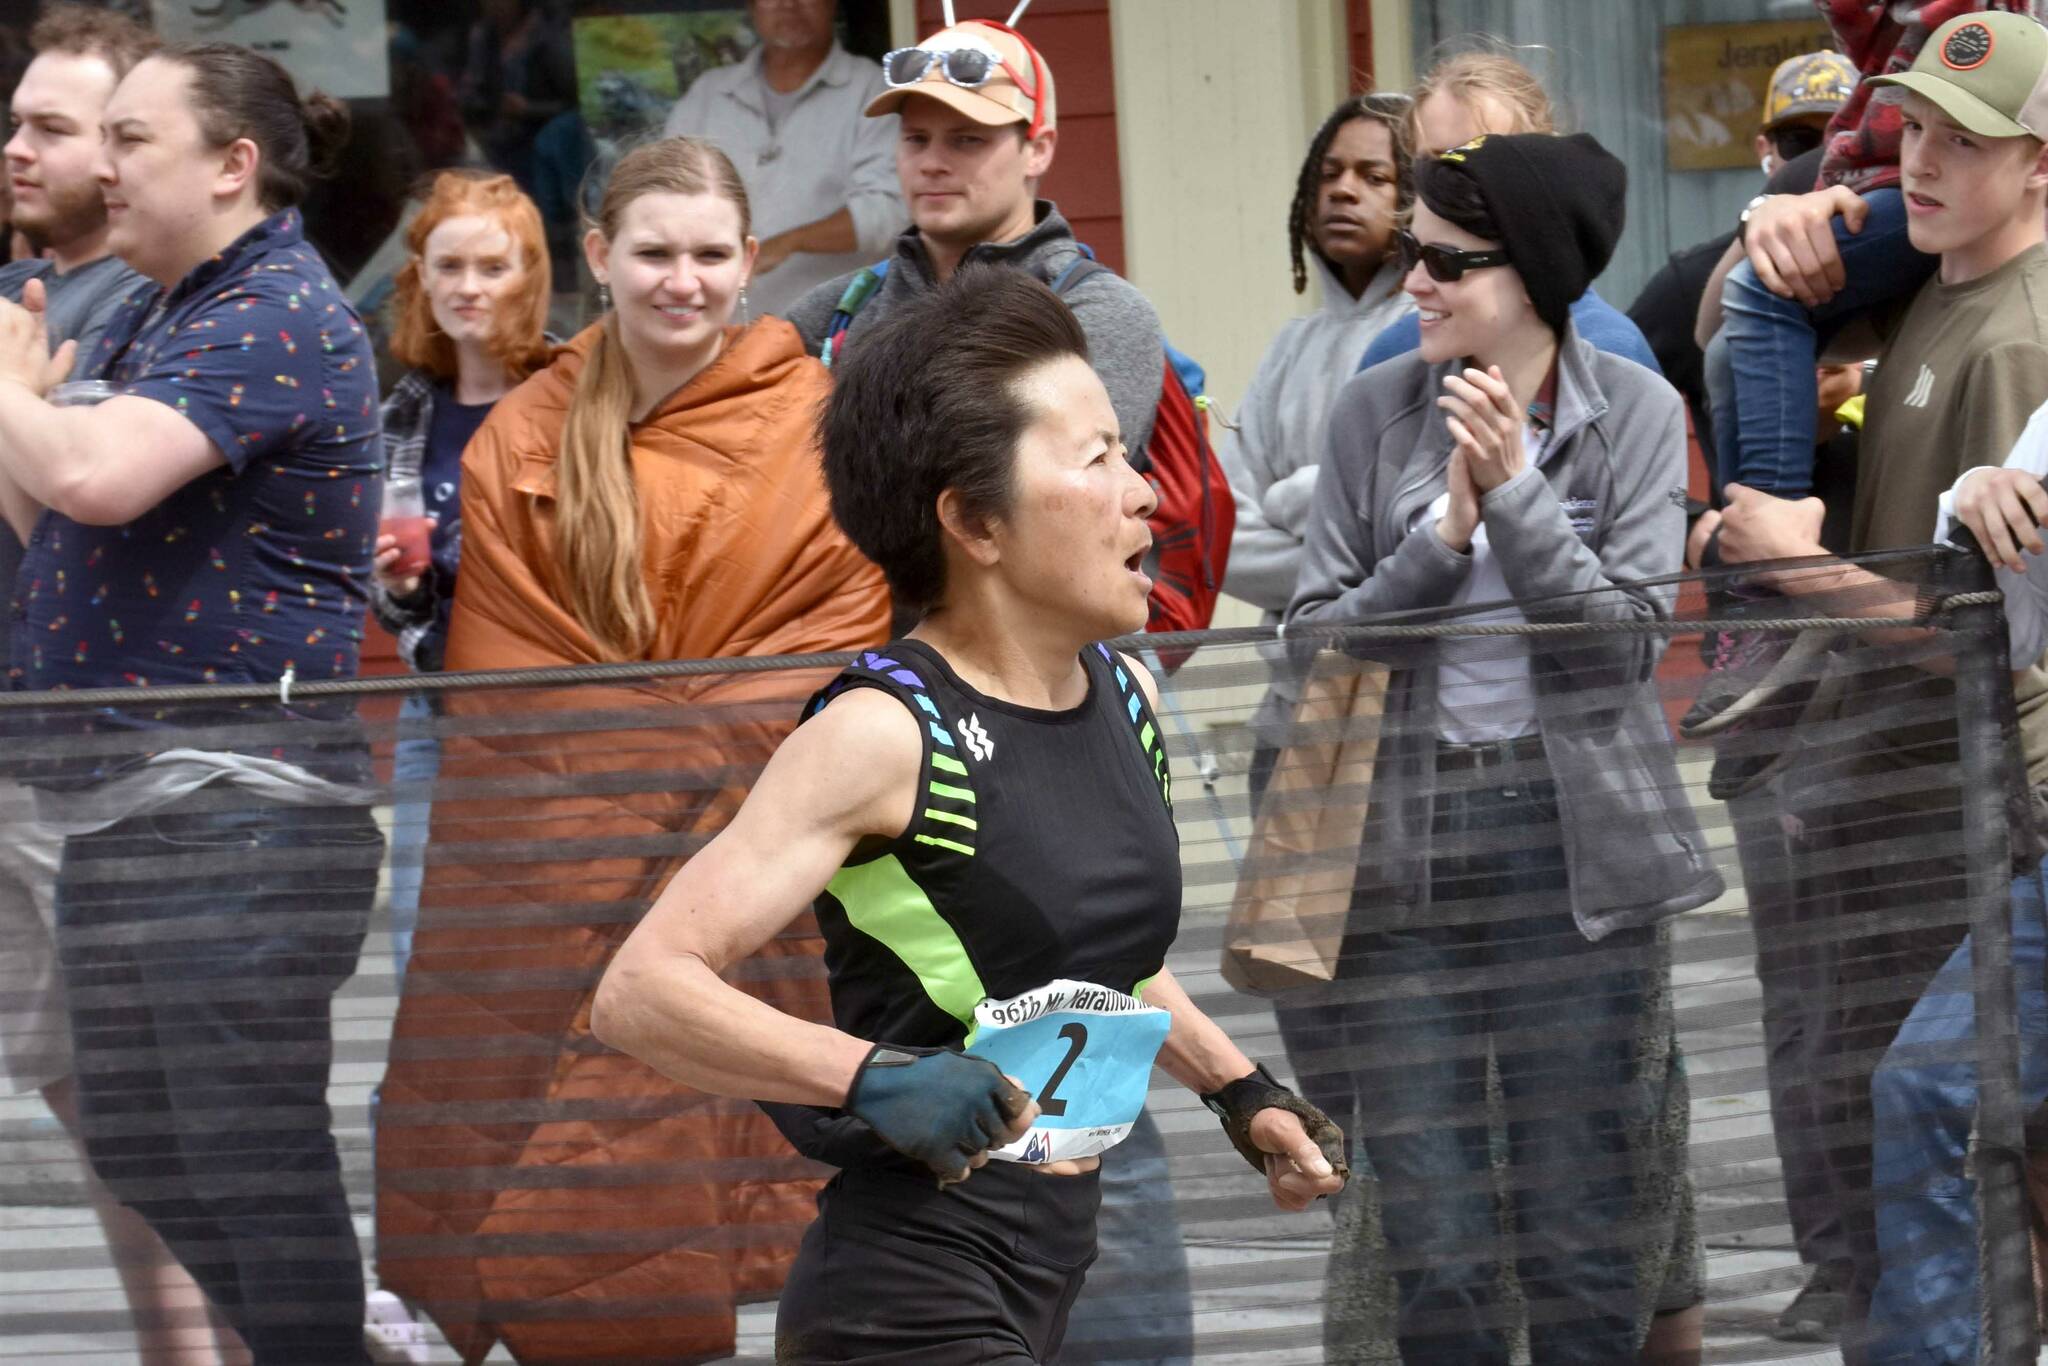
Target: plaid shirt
(1882,37)
(420,622)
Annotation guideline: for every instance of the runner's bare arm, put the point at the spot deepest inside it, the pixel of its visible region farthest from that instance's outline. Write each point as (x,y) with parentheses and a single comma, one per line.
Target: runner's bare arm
(849,772)
(1201,1057)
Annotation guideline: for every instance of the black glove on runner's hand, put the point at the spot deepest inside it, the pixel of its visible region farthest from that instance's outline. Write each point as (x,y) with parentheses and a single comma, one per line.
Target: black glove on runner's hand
(935,1105)
(1236,1103)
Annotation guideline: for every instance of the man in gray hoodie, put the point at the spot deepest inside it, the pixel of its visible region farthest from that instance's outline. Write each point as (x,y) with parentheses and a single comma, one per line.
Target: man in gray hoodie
(1347,202)
(970,157)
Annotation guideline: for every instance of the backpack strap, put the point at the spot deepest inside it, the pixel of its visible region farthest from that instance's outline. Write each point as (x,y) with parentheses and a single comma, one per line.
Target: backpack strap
(1084,266)
(864,285)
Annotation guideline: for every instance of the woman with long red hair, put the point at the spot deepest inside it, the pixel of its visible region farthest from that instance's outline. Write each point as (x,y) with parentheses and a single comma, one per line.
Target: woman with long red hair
(471,303)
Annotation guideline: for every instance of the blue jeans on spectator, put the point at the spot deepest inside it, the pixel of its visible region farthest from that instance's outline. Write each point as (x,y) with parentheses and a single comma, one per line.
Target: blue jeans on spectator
(415,763)
(1925,1309)
(1764,427)
(1499,956)
(201,947)
(1136,1305)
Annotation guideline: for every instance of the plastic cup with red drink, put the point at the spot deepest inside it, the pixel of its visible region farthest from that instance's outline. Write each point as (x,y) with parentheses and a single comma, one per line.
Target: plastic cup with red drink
(405,521)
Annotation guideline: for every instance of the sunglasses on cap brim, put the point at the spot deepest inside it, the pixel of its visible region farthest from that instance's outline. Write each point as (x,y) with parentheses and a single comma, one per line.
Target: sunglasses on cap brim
(970,68)
(1445,265)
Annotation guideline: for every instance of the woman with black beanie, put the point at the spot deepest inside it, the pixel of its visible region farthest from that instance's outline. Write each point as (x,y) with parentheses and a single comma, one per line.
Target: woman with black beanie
(1529,833)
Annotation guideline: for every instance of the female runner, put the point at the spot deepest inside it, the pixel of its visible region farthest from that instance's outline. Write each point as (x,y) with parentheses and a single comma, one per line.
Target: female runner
(979,813)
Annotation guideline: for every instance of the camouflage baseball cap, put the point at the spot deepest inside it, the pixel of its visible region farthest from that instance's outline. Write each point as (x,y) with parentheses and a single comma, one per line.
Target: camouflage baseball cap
(1988,72)
(1811,85)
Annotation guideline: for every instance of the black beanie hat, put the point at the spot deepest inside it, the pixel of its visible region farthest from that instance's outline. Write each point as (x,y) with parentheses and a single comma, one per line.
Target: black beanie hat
(1558,202)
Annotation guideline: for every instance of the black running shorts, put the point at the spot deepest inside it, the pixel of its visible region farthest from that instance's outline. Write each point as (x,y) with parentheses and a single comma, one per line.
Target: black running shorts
(899,1273)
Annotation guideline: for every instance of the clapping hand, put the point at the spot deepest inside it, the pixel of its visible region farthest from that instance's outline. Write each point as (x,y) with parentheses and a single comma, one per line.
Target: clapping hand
(1486,424)
(25,356)
(1486,434)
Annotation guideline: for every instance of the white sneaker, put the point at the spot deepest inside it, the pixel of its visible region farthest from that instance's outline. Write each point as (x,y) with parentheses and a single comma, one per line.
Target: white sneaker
(391,1334)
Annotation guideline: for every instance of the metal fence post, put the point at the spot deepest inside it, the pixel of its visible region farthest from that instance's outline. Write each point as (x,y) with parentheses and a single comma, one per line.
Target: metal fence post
(1989,741)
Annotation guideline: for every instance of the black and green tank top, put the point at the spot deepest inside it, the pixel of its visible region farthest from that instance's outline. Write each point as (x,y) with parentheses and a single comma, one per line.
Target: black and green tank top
(1043,847)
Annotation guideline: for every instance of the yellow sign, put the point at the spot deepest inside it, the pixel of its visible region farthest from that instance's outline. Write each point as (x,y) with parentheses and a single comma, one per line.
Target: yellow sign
(1715,77)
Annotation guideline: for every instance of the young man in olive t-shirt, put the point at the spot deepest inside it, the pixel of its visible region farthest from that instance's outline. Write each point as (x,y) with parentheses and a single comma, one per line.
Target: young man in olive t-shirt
(1964,368)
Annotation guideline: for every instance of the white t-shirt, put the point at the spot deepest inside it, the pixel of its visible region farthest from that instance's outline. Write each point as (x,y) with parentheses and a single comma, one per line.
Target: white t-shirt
(1484,690)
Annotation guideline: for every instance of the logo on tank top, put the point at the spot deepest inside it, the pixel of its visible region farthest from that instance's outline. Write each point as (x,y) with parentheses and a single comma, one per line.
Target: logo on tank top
(976,739)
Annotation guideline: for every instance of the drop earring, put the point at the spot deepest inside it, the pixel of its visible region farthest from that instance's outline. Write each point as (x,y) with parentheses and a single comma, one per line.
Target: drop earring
(604,297)
(746,311)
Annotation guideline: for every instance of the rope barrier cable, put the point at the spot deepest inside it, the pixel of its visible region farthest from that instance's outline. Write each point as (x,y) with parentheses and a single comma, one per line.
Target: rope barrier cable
(1364,633)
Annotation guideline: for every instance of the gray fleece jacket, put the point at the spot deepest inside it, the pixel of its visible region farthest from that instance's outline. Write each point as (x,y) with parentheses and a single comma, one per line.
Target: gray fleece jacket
(1585,536)
(1270,451)
(1123,330)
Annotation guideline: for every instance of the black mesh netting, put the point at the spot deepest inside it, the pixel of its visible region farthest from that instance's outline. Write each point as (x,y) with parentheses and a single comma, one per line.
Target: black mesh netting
(1626,1028)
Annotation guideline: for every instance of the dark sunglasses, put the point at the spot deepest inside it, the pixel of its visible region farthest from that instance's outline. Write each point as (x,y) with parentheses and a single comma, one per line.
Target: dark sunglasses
(1444,264)
(1796,140)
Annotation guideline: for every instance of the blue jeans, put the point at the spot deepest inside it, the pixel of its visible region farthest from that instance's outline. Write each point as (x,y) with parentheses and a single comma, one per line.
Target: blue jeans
(1925,1308)
(415,763)
(1499,960)
(1136,1305)
(1764,425)
(201,948)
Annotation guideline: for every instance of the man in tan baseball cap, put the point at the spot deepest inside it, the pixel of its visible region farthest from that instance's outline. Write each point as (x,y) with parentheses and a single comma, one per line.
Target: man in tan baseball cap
(979,130)
(979,125)
(985,70)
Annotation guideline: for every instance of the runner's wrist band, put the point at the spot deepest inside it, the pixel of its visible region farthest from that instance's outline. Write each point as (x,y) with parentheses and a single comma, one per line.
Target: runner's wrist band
(1237,1102)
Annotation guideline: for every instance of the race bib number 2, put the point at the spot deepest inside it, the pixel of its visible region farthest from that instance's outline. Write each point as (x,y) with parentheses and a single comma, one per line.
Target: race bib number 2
(1084,1052)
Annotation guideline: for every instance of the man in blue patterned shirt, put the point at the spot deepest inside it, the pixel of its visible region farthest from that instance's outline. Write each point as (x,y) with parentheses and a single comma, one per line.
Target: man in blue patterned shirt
(210,524)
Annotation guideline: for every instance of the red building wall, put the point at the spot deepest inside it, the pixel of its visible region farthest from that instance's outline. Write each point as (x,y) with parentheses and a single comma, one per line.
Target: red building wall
(1358,30)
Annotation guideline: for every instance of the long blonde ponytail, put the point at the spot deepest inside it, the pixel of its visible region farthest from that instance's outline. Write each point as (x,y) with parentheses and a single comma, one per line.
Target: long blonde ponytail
(597,508)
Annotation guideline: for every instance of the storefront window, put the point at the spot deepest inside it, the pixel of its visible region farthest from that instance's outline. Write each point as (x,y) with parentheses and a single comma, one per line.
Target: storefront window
(546,90)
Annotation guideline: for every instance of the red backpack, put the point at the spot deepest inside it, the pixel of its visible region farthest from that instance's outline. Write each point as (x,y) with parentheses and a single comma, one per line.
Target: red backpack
(1192,525)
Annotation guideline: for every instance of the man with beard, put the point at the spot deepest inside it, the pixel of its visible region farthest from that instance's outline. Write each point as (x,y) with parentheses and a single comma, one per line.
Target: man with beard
(81,55)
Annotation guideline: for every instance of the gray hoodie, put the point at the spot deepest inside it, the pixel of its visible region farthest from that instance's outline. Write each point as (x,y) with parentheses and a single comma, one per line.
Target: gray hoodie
(1270,454)
(1603,517)
(1124,342)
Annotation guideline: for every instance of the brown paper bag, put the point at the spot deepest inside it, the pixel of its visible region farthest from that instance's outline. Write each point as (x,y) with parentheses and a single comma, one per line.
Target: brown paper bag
(1294,892)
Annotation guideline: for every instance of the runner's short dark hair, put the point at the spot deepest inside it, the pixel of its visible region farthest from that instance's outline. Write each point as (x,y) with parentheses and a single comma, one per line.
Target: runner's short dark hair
(926,401)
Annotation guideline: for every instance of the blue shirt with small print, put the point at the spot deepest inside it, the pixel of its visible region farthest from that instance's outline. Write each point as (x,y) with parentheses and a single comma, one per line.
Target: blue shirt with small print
(258,567)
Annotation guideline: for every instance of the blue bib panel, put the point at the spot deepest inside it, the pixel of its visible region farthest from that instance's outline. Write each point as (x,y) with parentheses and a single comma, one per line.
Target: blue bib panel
(1084,1052)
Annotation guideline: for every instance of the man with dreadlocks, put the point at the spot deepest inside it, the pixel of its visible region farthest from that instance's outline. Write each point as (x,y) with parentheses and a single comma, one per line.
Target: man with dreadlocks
(1348,199)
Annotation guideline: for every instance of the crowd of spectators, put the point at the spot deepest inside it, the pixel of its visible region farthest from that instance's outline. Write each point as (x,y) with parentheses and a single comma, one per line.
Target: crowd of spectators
(194,456)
